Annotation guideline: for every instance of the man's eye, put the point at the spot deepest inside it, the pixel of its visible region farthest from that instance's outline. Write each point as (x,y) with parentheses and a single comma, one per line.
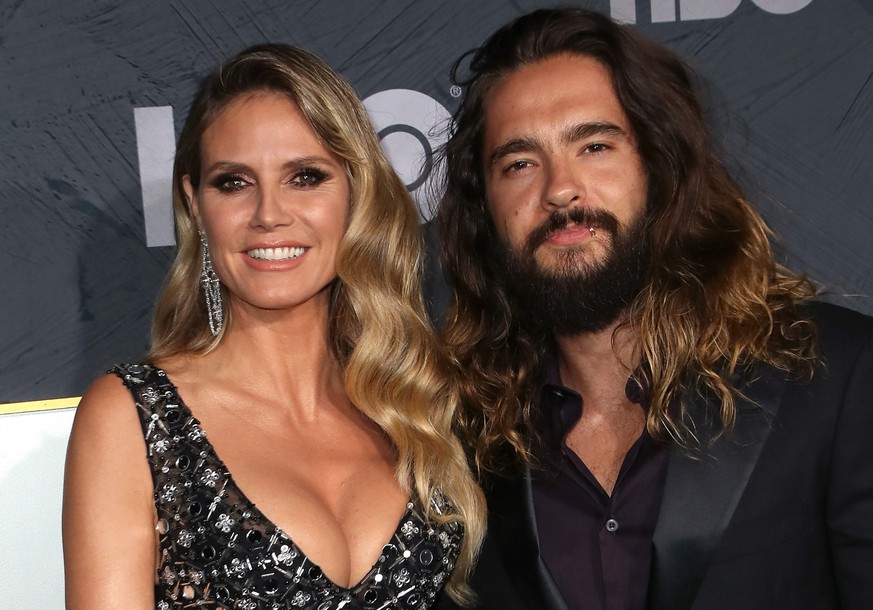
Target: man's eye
(516,166)
(309,177)
(596,147)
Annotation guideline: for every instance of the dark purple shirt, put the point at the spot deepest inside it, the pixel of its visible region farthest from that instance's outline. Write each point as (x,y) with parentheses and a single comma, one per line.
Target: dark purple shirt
(598,548)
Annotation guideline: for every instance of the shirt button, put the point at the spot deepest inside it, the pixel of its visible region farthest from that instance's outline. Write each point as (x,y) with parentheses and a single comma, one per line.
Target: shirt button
(611,525)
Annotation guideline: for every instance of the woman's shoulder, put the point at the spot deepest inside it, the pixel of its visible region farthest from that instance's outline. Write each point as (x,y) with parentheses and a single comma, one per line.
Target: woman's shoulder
(106,414)
(106,393)
(107,474)
(113,411)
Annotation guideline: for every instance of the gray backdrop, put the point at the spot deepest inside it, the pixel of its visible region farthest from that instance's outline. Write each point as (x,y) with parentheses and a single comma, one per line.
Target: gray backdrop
(84,175)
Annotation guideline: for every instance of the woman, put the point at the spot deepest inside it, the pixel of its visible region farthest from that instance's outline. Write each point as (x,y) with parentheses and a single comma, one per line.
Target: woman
(288,443)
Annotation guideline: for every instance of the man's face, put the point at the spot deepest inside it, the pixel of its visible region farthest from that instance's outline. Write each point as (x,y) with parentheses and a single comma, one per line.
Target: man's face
(567,189)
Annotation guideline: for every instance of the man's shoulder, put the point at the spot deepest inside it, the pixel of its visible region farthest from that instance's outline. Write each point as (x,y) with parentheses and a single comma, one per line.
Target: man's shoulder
(838,327)
(845,343)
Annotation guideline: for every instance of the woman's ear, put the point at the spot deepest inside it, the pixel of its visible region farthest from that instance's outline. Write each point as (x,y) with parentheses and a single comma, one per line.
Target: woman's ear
(191,197)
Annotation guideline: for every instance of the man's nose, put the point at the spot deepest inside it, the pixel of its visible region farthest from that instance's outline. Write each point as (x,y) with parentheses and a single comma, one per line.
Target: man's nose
(564,186)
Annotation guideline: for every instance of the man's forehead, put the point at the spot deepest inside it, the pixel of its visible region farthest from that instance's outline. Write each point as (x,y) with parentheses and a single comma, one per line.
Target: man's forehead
(551,95)
(578,69)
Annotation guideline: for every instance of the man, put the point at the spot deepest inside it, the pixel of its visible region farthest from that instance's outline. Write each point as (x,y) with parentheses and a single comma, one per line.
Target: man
(661,415)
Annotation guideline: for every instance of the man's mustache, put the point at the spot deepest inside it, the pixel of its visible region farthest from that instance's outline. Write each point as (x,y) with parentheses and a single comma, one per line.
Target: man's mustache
(596,218)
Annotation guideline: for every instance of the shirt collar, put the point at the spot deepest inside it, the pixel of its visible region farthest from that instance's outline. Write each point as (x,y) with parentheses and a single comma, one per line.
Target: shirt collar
(636,388)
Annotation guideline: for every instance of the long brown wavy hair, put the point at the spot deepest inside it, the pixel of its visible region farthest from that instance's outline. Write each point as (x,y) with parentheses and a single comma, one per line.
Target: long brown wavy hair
(396,372)
(715,301)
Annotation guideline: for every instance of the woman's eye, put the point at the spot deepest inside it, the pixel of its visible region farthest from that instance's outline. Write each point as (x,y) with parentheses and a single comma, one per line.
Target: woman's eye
(229,183)
(309,177)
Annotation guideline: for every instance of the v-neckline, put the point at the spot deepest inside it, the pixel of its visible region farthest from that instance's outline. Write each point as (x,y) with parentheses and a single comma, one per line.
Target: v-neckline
(267,521)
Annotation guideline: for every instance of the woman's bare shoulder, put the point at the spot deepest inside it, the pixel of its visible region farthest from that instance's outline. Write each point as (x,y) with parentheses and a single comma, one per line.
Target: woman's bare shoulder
(107,406)
(107,474)
(107,434)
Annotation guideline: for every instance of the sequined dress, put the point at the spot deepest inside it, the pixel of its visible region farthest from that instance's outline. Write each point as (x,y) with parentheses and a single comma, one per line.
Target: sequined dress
(217,550)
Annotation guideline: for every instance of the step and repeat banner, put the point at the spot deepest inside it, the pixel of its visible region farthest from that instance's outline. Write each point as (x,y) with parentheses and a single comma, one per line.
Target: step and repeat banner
(94,94)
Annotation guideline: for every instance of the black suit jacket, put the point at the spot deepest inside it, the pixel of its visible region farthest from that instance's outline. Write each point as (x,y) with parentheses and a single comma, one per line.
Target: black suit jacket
(779,515)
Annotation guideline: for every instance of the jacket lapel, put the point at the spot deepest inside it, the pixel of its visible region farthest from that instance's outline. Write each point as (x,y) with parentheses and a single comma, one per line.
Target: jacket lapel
(513,523)
(701,494)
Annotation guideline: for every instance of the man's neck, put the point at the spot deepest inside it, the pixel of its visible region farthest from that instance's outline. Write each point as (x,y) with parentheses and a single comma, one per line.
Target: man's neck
(597,365)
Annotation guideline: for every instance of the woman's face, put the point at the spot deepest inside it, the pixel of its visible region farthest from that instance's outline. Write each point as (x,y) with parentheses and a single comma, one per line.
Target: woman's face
(273,202)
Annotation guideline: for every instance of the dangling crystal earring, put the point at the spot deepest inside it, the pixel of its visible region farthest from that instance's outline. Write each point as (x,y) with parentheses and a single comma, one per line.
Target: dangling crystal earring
(212,288)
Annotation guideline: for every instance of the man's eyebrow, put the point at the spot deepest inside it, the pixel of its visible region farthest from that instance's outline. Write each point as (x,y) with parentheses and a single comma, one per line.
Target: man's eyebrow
(577,132)
(580,131)
(512,146)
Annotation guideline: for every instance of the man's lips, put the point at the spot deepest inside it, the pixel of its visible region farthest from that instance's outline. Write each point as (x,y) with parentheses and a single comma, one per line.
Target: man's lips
(569,235)
(569,227)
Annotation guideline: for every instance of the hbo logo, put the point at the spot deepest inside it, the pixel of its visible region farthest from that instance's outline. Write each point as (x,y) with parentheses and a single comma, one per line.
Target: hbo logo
(690,10)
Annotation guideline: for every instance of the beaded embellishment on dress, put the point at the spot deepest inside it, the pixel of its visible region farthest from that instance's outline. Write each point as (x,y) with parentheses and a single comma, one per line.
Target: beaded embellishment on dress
(217,550)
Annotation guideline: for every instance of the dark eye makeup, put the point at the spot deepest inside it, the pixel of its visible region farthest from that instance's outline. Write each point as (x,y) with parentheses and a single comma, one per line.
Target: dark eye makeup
(309,176)
(228,182)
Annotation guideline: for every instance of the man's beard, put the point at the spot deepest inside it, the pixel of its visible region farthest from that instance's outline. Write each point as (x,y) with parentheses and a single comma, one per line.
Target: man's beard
(577,296)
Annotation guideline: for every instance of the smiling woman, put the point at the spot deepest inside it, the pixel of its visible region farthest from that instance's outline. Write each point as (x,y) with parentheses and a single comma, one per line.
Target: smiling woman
(287,442)
(273,203)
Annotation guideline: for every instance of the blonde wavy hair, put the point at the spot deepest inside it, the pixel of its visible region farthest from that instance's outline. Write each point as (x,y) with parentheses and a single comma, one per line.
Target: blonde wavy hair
(396,373)
(715,303)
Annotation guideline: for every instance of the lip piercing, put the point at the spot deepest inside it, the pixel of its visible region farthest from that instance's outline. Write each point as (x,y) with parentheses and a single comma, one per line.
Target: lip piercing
(591,230)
